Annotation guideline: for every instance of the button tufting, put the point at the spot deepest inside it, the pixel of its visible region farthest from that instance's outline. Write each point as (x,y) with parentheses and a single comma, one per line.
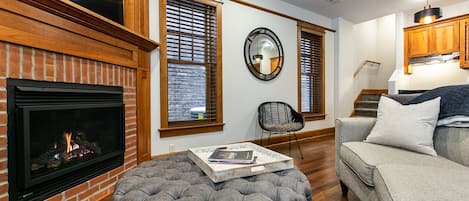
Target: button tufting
(178,178)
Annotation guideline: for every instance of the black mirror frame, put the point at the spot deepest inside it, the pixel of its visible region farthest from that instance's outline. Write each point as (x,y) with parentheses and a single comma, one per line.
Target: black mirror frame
(248,56)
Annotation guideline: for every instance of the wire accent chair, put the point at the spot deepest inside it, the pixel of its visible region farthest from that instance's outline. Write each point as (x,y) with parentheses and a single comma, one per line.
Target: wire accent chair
(278,118)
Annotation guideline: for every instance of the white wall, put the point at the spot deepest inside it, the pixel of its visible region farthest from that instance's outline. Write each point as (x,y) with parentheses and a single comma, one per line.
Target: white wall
(431,76)
(242,92)
(372,40)
(344,67)
(385,48)
(375,40)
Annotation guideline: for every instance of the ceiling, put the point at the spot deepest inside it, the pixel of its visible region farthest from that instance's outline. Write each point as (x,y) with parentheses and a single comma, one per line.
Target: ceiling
(363,10)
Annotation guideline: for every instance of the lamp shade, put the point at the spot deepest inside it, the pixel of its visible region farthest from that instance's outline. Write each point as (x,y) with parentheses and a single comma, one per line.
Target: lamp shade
(258,57)
(427,15)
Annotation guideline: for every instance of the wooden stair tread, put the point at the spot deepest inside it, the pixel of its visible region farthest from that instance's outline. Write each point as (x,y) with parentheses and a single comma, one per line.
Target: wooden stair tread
(366,104)
(367,101)
(366,109)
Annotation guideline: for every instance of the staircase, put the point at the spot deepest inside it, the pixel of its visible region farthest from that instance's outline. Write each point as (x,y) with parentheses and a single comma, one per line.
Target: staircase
(366,104)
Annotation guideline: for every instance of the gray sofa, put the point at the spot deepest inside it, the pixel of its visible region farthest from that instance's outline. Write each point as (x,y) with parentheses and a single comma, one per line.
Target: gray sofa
(376,172)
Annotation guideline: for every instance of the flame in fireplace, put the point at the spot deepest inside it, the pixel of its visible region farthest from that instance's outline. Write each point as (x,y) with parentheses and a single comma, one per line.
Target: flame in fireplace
(68,140)
(74,146)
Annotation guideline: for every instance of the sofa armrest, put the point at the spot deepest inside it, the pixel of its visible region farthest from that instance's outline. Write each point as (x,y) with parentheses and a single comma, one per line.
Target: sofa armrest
(351,129)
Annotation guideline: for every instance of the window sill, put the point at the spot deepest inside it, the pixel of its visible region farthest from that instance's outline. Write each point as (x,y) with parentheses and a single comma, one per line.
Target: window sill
(189,130)
(314,117)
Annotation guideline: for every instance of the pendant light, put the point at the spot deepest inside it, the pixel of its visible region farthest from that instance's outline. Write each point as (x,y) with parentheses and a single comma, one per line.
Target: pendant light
(427,15)
(258,57)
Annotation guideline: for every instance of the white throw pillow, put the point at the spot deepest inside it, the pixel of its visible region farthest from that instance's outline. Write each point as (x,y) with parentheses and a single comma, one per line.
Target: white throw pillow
(406,126)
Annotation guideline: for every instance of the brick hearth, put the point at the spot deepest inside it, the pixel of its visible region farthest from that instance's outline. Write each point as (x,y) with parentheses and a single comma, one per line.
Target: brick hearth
(28,63)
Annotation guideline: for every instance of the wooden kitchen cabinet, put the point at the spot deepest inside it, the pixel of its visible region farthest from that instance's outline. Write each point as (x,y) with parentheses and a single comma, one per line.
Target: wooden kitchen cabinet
(436,39)
(432,39)
(419,42)
(464,42)
(445,38)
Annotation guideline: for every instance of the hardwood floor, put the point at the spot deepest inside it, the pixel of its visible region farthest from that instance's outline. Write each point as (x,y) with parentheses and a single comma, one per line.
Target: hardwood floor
(319,166)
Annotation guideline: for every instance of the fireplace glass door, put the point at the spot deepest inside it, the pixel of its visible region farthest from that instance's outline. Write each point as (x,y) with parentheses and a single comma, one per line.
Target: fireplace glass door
(63,138)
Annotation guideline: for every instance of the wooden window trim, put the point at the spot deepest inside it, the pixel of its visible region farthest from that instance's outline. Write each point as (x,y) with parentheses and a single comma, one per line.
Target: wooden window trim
(313,117)
(302,27)
(170,131)
(189,130)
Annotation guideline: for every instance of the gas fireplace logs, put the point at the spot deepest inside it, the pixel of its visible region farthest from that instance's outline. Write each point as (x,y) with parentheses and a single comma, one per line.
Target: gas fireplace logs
(73,146)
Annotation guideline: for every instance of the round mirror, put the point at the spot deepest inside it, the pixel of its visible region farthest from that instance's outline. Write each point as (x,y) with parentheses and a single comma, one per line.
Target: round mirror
(263,54)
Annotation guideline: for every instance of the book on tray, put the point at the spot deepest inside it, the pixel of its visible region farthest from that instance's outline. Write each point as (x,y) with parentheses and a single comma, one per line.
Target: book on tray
(222,155)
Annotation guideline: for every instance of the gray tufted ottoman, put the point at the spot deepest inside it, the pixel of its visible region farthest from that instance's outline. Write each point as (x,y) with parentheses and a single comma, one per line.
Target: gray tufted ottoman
(177,178)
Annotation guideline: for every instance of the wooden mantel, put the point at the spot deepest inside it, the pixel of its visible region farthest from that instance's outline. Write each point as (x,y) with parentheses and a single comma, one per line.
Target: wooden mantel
(79,15)
(65,27)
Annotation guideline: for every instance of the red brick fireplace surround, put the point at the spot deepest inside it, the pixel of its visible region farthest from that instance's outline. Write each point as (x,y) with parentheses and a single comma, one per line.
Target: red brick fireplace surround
(35,64)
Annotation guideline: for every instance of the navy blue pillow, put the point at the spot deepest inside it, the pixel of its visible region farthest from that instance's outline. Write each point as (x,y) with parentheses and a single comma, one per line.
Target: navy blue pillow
(454,100)
(402,98)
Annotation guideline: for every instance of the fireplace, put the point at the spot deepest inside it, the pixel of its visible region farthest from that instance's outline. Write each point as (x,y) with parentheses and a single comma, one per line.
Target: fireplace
(61,135)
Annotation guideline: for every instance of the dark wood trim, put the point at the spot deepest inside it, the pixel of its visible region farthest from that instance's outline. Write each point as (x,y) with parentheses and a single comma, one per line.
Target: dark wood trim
(306,26)
(136,18)
(166,154)
(26,25)
(314,117)
(323,72)
(163,67)
(374,91)
(189,130)
(316,27)
(143,111)
(275,140)
(75,13)
(464,43)
(319,138)
(298,64)
(145,18)
(166,129)
(219,63)
(303,136)
(407,69)
(322,114)
(307,136)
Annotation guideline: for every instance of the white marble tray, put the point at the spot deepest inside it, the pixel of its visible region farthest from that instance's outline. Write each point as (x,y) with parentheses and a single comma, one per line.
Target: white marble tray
(267,161)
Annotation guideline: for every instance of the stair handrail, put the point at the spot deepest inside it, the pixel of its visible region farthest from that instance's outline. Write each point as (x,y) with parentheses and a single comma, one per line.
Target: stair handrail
(363,65)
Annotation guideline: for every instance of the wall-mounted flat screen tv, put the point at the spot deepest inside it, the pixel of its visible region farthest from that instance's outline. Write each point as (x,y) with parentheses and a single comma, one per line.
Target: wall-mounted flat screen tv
(111,9)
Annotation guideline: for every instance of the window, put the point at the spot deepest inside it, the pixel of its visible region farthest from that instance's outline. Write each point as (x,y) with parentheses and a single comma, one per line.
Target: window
(311,72)
(190,67)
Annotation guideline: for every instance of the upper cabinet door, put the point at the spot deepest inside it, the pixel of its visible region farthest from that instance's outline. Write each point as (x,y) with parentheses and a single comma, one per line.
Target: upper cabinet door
(445,38)
(419,42)
(464,43)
